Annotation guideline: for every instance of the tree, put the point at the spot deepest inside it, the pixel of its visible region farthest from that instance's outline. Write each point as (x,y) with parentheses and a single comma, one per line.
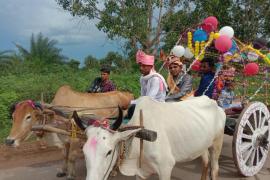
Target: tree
(148,24)
(114,59)
(251,19)
(74,64)
(139,22)
(91,62)
(9,61)
(42,49)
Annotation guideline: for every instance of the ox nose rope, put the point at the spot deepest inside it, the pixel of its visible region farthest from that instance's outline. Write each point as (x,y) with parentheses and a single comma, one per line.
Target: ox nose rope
(109,164)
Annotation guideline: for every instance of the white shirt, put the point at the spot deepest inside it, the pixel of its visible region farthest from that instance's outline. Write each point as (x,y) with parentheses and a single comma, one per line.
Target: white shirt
(154,86)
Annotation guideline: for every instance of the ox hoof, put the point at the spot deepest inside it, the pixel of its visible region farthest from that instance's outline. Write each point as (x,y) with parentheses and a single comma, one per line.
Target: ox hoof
(61,174)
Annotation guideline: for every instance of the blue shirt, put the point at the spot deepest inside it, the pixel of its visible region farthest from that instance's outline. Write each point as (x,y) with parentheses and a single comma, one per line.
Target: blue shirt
(226,98)
(204,83)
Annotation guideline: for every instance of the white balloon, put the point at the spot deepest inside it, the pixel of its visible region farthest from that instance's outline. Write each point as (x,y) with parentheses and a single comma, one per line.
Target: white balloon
(227,30)
(178,51)
(188,54)
(252,56)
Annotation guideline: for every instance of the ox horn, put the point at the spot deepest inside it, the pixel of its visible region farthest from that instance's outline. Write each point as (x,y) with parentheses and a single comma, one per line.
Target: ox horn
(78,121)
(12,109)
(118,121)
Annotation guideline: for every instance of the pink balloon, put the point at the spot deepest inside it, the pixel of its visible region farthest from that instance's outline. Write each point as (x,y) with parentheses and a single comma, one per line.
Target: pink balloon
(251,69)
(223,43)
(196,66)
(210,24)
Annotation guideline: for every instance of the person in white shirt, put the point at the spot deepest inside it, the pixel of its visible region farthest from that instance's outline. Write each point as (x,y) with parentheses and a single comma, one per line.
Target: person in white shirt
(152,83)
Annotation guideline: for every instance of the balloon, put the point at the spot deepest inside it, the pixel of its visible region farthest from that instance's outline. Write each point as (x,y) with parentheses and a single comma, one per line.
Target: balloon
(252,56)
(216,35)
(188,54)
(178,51)
(199,35)
(196,66)
(227,30)
(210,24)
(223,43)
(251,69)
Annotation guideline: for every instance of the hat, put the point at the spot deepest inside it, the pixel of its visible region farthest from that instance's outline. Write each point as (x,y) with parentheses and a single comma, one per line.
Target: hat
(106,69)
(145,59)
(174,60)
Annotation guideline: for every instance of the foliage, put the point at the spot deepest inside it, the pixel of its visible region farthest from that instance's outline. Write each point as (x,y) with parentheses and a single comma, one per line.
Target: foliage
(91,62)
(139,22)
(42,49)
(151,24)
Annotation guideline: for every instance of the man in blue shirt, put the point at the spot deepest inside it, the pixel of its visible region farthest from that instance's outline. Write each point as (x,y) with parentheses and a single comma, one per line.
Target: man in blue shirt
(207,69)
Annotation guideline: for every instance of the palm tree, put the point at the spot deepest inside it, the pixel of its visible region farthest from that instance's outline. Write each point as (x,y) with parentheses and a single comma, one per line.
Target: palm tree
(5,59)
(42,49)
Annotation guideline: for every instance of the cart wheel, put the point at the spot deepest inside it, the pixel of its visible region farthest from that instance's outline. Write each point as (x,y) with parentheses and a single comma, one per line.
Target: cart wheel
(251,139)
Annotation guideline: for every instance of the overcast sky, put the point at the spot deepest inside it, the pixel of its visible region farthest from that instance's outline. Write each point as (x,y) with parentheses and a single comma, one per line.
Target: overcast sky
(78,37)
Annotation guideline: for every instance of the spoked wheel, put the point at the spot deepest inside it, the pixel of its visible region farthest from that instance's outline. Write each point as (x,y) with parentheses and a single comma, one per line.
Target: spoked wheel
(251,139)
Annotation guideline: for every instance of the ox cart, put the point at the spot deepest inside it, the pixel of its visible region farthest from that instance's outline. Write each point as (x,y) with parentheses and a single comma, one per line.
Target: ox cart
(250,124)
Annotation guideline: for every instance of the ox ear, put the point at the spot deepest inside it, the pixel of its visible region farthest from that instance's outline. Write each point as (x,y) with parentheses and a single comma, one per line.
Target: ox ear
(119,136)
(118,121)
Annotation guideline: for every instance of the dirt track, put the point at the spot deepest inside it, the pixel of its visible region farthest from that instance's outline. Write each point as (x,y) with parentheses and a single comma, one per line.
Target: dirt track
(31,163)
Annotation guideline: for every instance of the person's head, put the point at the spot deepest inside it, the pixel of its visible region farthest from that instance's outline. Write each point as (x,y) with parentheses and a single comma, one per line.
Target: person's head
(207,65)
(175,66)
(105,73)
(146,62)
(145,69)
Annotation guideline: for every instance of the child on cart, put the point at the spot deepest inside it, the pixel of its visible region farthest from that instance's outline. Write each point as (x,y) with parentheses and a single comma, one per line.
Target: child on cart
(227,97)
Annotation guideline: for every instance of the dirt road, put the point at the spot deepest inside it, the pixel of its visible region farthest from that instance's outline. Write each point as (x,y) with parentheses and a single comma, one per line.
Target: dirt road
(29,163)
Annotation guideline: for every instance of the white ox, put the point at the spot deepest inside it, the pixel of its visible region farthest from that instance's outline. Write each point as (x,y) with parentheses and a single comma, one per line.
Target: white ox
(185,131)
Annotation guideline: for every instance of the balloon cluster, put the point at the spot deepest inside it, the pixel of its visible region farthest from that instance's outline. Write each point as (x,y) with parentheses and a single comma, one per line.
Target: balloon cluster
(224,42)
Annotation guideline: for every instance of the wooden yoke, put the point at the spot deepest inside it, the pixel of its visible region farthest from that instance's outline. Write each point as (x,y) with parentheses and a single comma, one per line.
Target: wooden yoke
(141,140)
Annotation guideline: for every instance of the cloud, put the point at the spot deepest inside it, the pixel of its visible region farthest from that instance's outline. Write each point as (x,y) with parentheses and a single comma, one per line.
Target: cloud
(33,16)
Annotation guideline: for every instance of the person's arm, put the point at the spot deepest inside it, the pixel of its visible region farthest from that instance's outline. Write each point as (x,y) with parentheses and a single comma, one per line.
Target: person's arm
(186,88)
(154,87)
(93,87)
(204,83)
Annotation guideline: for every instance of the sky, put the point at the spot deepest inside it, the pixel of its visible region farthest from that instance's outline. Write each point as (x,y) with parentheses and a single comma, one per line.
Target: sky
(77,36)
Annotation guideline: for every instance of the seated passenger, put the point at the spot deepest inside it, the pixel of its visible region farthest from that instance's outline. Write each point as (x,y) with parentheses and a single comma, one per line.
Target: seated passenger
(179,83)
(227,73)
(207,69)
(102,84)
(152,83)
(226,97)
